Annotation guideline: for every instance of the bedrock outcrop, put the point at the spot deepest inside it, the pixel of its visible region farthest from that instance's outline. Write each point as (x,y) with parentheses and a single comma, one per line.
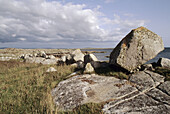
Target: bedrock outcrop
(138,47)
(145,92)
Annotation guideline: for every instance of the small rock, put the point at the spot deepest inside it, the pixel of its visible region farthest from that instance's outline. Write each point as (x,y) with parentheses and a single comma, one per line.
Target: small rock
(41,54)
(51,69)
(148,67)
(49,61)
(78,55)
(63,58)
(89,58)
(164,62)
(34,59)
(74,65)
(51,57)
(88,68)
(80,64)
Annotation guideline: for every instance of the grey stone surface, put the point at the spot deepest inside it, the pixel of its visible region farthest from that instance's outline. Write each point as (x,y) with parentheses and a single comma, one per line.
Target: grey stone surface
(51,69)
(165,87)
(146,79)
(87,88)
(145,93)
(34,59)
(77,55)
(88,68)
(141,104)
(139,46)
(49,61)
(164,62)
(89,58)
(148,67)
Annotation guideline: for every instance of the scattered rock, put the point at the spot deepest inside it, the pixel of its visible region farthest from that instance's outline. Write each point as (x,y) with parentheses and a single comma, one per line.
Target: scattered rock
(51,57)
(139,46)
(148,67)
(80,64)
(74,65)
(41,54)
(49,61)
(88,68)
(34,60)
(77,55)
(69,59)
(63,58)
(89,58)
(51,69)
(164,62)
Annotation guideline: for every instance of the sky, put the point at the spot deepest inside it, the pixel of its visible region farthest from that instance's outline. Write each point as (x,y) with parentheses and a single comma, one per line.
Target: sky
(79,23)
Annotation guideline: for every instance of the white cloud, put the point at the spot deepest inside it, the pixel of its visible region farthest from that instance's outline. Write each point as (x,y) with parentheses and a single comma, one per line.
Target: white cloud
(51,21)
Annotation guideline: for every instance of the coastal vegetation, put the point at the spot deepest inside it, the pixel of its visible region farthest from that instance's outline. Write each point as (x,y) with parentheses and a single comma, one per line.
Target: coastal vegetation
(27,88)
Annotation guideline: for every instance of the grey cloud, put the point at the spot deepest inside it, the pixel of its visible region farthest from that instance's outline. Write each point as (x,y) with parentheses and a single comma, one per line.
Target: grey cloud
(51,21)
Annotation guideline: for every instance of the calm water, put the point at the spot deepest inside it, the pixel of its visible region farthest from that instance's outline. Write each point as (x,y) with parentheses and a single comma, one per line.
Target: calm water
(101,56)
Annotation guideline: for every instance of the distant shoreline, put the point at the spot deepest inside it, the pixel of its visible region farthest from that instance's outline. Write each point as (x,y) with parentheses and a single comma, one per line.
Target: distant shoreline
(61,48)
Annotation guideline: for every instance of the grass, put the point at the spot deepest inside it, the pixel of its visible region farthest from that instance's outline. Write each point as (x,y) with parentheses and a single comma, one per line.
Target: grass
(163,71)
(109,71)
(26,88)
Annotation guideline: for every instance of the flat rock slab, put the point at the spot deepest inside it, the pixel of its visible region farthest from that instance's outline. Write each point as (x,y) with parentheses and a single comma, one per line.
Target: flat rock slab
(152,96)
(144,93)
(87,88)
(146,80)
(141,104)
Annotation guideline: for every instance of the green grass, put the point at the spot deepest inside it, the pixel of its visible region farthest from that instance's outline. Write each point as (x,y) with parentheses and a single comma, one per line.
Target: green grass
(26,88)
(163,71)
(108,71)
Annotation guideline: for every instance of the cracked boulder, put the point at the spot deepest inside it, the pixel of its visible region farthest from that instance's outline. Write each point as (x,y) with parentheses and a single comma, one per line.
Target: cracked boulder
(138,47)
(152,96)
(146,79)
(87,88)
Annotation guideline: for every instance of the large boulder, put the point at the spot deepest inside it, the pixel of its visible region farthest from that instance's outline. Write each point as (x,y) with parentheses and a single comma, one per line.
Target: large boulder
(77,55)
(164,62)
(139,46)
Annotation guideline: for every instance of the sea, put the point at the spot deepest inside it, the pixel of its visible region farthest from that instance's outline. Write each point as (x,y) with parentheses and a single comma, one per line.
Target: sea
(102,56)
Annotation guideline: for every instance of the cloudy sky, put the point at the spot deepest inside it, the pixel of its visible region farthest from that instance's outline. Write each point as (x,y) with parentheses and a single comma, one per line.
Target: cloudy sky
(79,23)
